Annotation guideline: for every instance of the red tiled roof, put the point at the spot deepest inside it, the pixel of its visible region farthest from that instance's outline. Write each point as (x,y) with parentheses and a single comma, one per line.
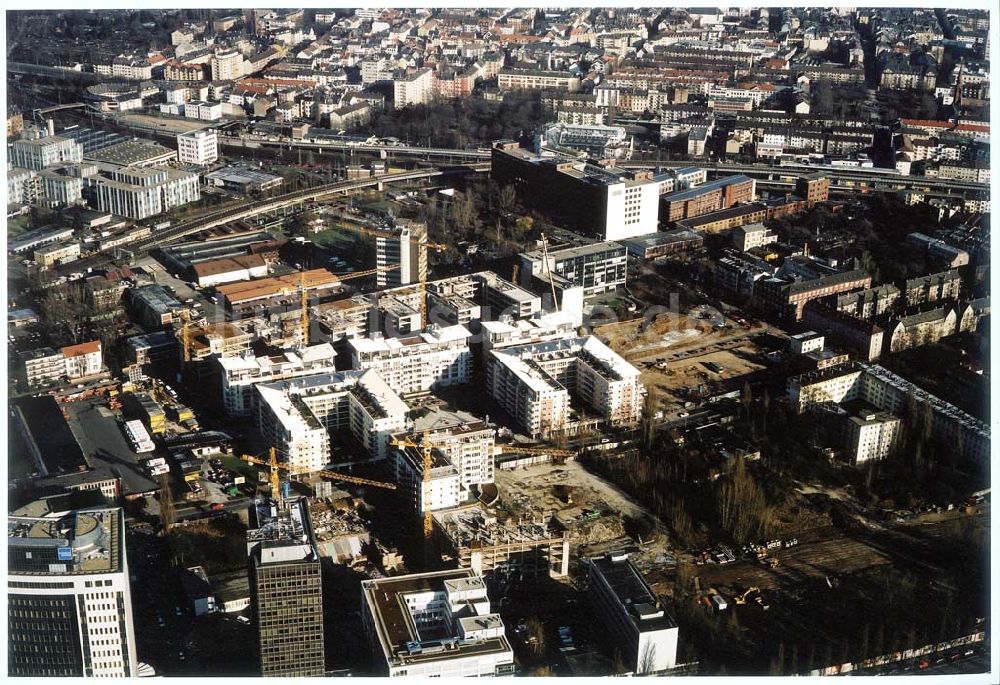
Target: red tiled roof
(82,349)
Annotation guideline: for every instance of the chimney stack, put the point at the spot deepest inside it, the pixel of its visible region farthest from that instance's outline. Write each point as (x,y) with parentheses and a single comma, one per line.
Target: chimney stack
(51,125)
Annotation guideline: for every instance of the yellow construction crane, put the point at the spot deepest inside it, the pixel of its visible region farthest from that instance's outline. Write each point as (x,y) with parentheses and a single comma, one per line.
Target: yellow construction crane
(305,308)
(186,334)
(425,447)
(424,245)
(275,477)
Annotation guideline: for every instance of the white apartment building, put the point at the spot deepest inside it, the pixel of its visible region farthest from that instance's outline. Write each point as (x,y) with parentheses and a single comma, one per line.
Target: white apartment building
(634,615)
(75,362)
(528,79)
(198,147)
(68,576)
(132,68)
(753,235)
(413,89)
(465,441)
(447,629)
(205,111)
(417,363)
(298,415)
(227,65)
(439,491)
(44,152)
(533,383)
(23,186)
(871,435)
(241,374)
(884,390)
(399,257)
(509,331)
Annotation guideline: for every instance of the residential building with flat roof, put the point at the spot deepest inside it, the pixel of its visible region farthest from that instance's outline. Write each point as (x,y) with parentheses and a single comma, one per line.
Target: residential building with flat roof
(438,356)
(69,600)
(533,383)
(240,374)
(437,624)
(298,415)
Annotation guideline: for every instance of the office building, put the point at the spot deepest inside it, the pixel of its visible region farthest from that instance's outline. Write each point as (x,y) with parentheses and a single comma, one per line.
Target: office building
(533,383)
(199,147)
(399,258)
(240,374)
(813,188)
(140,193)
(298,415)
(417,363)
(598,268)
(286,589)
(597,141)
(437,624)
(69,603)
(721,193)
(599,201)
(44,152)
(664,244)
(633,614)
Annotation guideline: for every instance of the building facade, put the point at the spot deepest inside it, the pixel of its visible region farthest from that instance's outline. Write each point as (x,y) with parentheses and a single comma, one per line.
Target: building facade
(69,603)
(199,147)
(286,589)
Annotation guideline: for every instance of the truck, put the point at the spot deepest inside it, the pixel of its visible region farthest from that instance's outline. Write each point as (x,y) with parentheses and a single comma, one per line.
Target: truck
(136,432)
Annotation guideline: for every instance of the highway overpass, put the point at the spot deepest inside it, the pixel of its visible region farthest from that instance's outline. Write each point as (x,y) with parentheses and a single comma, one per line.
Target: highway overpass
(262,207)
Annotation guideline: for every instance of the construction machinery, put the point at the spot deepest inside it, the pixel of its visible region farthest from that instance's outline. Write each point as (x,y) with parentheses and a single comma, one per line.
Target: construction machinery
(548,271)
(742,599)
(275,478)
(304,313)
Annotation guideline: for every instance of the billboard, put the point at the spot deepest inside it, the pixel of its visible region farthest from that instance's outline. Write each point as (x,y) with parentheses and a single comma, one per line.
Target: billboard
(65,554)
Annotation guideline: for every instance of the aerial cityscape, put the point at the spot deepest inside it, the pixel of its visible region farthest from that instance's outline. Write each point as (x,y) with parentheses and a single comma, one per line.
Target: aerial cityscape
(498,342)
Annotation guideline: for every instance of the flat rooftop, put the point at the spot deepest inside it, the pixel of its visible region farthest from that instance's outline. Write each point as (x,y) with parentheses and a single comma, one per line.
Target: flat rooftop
(130,152)
(45,423)
(83,541)
(633,593)
(396,629)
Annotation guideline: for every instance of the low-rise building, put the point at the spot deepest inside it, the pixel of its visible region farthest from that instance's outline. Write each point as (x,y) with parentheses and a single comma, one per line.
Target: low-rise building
(664,244)
(437,624)
(708,197)
(753,235)
(786,299)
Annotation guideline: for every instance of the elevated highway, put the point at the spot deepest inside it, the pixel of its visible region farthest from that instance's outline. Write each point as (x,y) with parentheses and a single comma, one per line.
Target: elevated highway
(264,206)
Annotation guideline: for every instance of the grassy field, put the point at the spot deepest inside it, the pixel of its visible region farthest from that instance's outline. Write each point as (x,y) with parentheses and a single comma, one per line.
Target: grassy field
(17,226)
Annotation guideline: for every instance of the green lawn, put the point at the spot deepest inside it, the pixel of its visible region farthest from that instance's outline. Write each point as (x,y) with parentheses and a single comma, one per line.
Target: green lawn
(241,467)
(17,226)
